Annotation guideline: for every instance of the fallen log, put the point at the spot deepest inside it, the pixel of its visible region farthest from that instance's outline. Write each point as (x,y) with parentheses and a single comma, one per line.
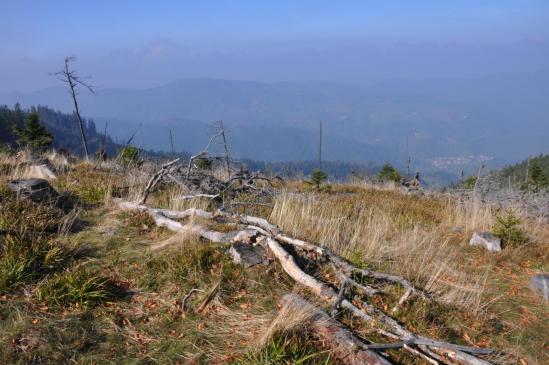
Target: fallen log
(325,292)
(349,269)
(173,214)
(345,346)
(364,311)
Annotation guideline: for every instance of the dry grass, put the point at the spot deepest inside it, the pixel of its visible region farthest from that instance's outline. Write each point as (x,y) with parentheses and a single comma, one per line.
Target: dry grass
(486,295)
(375,229)
(425,239)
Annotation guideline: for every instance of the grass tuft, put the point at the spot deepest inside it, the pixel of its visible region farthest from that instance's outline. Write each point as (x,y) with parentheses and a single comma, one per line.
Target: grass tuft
(81,286)
(289,348)
(28,249)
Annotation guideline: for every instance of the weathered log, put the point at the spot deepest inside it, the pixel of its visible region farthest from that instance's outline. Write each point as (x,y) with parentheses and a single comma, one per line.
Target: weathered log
(343,344)
(349,269)
(196,196)
(365,312)
(325,292)
(360,288)
(173,214)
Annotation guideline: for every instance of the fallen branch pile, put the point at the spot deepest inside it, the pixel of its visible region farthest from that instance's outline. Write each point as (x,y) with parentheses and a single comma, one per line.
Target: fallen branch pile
(202,183)
(344,344)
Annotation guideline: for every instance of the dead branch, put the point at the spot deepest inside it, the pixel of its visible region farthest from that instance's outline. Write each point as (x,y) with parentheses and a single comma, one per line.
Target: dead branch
(189,197)
(187,297)
(208,298)
(156,178)
(366,312)
(343,344)
(202,153)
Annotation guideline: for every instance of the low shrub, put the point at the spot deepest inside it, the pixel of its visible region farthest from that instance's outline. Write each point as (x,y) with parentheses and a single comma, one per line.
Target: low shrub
(203,163)
(129,155)
(318,179)
(91,194)
(389,174)
(508,229)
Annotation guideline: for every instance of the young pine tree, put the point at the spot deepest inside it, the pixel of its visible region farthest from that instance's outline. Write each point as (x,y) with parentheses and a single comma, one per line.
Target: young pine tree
(389,173)
(318,177)
(33,134)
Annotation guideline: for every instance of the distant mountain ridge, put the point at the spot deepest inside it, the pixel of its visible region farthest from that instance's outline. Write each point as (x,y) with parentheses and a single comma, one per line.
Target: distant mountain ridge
(502,118)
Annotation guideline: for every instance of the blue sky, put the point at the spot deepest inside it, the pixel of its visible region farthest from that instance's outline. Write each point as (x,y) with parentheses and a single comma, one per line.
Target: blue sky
(159,41)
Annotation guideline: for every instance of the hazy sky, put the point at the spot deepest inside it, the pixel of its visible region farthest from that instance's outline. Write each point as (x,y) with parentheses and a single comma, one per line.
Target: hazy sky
(146,43)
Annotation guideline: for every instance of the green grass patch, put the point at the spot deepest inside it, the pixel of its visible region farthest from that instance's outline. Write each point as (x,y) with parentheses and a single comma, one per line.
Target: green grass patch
(28,247)
(291,348)
(81,286)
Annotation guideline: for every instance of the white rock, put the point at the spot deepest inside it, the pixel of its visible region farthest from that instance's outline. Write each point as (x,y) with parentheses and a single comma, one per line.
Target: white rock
(487,240)
(39,172)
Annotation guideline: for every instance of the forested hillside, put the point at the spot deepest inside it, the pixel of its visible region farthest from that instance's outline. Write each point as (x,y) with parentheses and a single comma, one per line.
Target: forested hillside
(531,171)
(63,127)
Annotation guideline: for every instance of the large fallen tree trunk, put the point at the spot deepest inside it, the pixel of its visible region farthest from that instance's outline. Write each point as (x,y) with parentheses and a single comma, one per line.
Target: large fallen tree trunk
(451,353)
(345,346)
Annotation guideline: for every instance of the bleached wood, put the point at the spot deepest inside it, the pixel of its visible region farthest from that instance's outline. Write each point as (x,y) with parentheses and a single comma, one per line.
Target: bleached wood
(365,312)
(345,346)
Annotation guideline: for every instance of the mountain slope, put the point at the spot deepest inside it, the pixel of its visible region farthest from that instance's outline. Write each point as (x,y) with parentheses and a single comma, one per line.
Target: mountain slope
(64,128)
(500,117)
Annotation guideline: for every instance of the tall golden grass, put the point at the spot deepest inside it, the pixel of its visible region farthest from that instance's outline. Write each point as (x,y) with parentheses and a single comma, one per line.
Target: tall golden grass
(387,230)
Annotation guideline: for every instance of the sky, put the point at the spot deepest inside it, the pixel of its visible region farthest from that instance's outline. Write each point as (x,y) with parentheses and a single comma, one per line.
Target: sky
(141,44)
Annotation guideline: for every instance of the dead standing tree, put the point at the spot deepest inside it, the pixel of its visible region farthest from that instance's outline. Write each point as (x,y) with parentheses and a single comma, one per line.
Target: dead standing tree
(69,76)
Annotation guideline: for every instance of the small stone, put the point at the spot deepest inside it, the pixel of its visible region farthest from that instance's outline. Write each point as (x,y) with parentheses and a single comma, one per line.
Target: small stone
(457,229)
(487,240)
(540,283)
(247,255)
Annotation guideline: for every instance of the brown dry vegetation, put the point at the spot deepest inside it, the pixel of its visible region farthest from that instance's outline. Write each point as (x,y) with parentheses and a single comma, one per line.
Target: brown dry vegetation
(113,300)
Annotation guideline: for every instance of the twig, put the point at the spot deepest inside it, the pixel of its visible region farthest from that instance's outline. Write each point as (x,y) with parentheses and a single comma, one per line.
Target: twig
(340,297)
(187,297)
(156,178)
(401,301)
(208,298)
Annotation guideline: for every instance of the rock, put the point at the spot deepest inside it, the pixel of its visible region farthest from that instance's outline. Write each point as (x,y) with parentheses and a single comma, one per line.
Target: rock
(486,239)
(540,283)
(247,255)
(38,190)
(457,229)
(42,171)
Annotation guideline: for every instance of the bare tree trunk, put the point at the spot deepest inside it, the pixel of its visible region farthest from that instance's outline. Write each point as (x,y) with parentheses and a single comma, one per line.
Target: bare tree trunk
(69,77)
(226,149)
(171,142)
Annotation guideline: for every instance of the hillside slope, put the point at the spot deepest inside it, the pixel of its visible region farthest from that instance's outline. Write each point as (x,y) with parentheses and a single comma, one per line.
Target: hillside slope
(105,284)
(64,128)
(501,117)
